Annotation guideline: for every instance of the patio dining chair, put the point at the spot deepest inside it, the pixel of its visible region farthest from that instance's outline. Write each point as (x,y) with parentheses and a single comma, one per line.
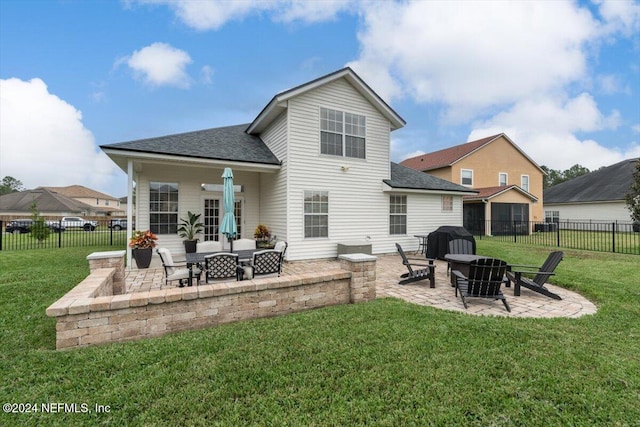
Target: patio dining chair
(243,244)
(423,271)
(209,246)
(221,266)
(540,275)
(485,277)
(175,271)
(265,263)
(281,246)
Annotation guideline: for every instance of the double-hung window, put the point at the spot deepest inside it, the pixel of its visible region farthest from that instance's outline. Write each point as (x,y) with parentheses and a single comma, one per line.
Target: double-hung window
(316,214)
(524,182)
(163,207)
(342,134)
(447,203)
(397,214)
(502,179)
(466,177)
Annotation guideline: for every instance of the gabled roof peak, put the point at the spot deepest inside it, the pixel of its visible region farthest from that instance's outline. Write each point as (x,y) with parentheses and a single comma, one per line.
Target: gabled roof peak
(278,103)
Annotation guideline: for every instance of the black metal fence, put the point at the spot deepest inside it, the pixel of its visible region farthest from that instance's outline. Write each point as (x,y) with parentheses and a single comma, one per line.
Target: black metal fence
(619,237)
(108,232)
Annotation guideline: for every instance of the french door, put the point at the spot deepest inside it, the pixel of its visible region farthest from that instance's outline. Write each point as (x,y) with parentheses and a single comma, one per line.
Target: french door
(212,217)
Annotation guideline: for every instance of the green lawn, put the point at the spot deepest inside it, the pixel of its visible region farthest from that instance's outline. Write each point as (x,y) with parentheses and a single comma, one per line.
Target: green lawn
(381,363)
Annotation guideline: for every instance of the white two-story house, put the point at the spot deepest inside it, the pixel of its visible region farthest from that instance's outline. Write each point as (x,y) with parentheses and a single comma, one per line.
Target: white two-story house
(314,166)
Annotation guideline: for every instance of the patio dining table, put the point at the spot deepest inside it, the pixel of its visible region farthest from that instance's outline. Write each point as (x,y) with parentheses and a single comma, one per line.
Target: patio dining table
(197,258)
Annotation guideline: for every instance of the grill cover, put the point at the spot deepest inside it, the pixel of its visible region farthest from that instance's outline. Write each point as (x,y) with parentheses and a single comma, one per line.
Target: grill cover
(438,240)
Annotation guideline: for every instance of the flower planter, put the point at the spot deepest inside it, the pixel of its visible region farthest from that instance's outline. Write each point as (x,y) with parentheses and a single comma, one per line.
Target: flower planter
(190,246)
(142,257)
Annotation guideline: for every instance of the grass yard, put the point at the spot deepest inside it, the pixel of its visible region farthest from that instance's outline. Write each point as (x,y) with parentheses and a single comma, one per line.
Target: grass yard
(381,363)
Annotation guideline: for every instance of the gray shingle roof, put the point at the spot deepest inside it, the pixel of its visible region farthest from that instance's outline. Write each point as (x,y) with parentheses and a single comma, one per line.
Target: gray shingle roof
(230,143)
(46,201)
(606,184)
(407,178)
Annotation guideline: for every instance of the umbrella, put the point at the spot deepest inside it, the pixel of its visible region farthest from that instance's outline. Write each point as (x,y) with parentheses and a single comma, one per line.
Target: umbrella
(228,226)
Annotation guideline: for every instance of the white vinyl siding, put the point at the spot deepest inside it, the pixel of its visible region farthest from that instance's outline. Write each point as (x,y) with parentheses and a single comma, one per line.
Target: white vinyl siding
(192,197)
(273,186)
(592,212)
(358,207)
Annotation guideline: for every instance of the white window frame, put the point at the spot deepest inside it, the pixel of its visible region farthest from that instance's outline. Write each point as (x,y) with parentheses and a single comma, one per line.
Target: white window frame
(462,172)
(342,125)
(394,214)
(305,214)
(506,179)
(552,216)
(446,203)
(173,208)
(522,184)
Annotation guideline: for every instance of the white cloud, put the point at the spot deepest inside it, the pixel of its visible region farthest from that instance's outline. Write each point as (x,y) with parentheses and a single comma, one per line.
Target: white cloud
(472,57)
(213,14)
(206,74)
(546,130)
(160,64)
(620,16)
(43,140)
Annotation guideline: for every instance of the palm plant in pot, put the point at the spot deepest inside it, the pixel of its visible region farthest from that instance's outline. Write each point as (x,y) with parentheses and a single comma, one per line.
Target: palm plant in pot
(142,244)
(189,228)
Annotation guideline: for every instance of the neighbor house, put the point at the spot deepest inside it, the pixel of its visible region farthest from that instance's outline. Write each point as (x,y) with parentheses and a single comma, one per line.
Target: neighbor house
(597,196)
(313,166)
(101,203)
(508,181)
(48,203)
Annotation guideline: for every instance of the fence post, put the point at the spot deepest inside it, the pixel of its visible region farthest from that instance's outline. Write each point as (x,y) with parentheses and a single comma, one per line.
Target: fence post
(613,237)
(515,232)
(558,234)
(1,233)
(59,233)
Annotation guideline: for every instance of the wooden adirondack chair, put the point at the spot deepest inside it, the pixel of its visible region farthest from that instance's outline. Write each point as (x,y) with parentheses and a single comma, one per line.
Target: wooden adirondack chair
(541,275)
(486,275)
(459,246)
(426,269)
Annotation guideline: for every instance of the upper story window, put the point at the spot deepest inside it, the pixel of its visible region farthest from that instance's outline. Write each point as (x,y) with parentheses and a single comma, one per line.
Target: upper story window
(502,179)
(163,207)
(524,182)
(342,134)
(466,177)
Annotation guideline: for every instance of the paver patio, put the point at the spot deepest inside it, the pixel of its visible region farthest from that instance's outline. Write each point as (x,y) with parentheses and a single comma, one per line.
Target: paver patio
(388,270)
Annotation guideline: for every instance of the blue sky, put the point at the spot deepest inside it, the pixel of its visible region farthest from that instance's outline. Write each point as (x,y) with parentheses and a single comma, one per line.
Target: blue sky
(562,79)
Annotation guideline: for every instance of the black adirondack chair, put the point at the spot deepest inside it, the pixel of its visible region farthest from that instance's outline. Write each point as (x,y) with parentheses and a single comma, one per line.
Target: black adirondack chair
(425,269)
(459,246)
(540,275)
(486,275)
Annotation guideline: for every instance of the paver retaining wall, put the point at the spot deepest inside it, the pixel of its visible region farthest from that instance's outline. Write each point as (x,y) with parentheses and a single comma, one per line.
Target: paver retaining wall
(96,311)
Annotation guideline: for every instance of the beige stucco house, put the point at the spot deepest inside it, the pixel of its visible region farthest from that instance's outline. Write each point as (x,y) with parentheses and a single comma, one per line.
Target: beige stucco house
(508,181)
(313,166)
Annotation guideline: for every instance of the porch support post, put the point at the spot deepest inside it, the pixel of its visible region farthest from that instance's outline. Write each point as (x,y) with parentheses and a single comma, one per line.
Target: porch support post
(129,209)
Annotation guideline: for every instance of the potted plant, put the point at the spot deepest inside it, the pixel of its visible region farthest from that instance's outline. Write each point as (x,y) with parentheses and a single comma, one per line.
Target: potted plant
(142,244)
(262,236)
(189,228)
